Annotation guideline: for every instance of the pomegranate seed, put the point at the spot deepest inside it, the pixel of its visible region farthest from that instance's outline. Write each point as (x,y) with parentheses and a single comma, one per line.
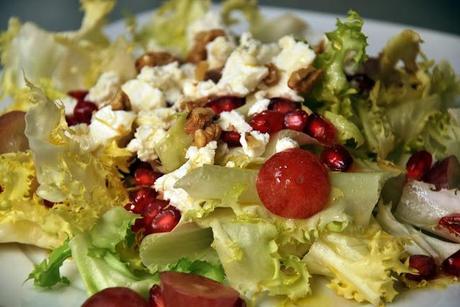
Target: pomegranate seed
(153,209)
(418,165)
(267,121)
(452,264)
(296,120)
(138,225)
(78,94)
(451,223)
(156,297)
(225,104)
(336,158)
(320,129)
(425,266)
(140,199)
(283,105)
(84,111)
(232,138)
(48,204)
(71,121)
(165,221)
(144,176)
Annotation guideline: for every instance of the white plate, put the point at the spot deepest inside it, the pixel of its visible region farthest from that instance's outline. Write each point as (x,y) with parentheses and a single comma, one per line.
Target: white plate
(17,261)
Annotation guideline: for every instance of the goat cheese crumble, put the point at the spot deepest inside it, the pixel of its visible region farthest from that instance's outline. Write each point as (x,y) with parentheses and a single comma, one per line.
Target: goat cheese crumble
(105,89)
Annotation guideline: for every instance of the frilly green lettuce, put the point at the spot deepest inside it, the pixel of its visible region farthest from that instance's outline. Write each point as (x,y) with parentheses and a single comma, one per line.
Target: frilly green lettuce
(47,274)
(82,184)
(168,25)
(98,262)
(345,49)
(249,254)
(347,131)
(261,27)
(407,107)
(159,251)
(359,263)
(67,60)
(23,216)
(441,135)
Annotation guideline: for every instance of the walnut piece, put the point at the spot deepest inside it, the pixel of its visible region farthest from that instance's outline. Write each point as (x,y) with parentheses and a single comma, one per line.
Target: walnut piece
(198,51)
(120,101)
(202,137)
(200,71)
(198,118)
(304,79)
(154,59)
(273,75)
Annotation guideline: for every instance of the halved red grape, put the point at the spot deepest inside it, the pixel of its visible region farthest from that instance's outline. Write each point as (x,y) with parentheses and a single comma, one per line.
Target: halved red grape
(293,184)
(12,126)
(116,297)
(187,290)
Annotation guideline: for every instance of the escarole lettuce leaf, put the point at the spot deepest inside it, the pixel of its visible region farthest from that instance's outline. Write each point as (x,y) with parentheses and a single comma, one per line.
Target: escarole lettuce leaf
(345,49)
(412,106)
(253,266)
(262,28)
(359,263)
(82,184)
(169,24)
(66,60)
(23,216)
(107,256)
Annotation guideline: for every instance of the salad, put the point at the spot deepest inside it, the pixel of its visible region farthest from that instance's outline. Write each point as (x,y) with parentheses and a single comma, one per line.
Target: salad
(182,164)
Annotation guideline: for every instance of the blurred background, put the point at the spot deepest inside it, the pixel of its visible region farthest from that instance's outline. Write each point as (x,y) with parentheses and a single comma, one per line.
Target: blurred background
(441,15)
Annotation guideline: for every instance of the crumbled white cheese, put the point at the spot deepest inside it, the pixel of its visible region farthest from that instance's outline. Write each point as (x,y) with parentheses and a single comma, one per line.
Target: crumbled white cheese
(142,96)
(158,118)
(168,78)
(254,143)
(294,55)
(105,89)
(210,21)
(218,51)
(233,121)
(242,71)
(259,106)
(69,104)
(285,143)
(188,70)
(197,157)
(194,90)
(263,53)
(107,125)
(151,131)
(145,140)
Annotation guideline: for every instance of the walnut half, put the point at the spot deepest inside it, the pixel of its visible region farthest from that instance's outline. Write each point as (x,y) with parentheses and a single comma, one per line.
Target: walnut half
(202,137)
(304,79)
(120,101)
(154,59)
(198,119)
(198,51)
(273,75)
